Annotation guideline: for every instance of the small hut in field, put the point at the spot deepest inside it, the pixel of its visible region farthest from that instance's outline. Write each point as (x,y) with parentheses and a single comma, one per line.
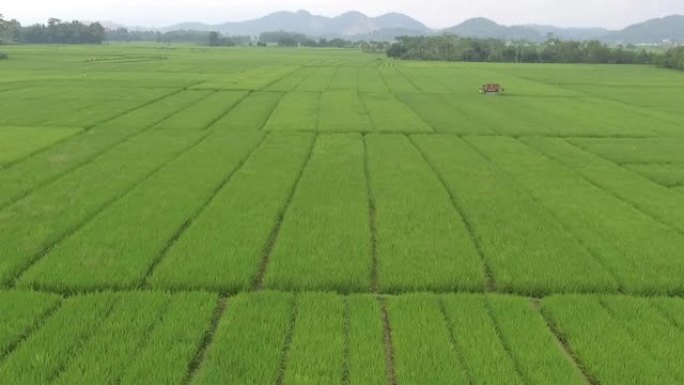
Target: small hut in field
(491,89)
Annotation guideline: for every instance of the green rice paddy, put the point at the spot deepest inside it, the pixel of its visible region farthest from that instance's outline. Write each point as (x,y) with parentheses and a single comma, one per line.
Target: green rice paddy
(299,216)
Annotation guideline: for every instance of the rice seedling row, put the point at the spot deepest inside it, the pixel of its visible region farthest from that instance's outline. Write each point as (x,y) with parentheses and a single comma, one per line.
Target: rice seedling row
(434,250)
(639,251)
(525,247)
(226,256)
(50,164)
(132,175)
(148,218)
(654,200)
(619,340)
(324,240)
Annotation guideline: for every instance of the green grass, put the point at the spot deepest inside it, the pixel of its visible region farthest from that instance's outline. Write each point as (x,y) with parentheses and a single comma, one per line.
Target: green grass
(365,347)
(343,111)
(105,338)
(48,214)
(476,336)
(535,349)
(345,78)
(318,80)
(297,111)
(324,240)
(604,343)
(172,343)
(19,313)
(668,175)
(648,151)
(19,142)
(389,114)
(656,201)
(640,251)
(416,320)
(34,171)
(394,81)
(249,341)
(226,255)
(444,116)
(316,355)
(526,248)
(432,251)
(188,215)
(41,357)
(370,80)
(145,220)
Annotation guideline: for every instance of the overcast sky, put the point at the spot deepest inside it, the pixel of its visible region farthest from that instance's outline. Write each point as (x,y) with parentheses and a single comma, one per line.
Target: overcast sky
(435,13)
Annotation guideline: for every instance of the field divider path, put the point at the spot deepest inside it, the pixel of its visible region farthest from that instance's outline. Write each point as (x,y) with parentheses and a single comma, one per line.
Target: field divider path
(270,114)
(389,345)
(146,336)
(274,81)
(615,195)
(333,75)
(97,155)
(197,138)
(287,344)
(375,275)
(409,80)
(346,380)
(83,341)
(629,332)
(489,275)
(453,341)
(299,82)
(91,126)
(564,345)
(75,228)
(382,78)
(504,342)
(317,124)
(594,255)
(227,110)
(207,339)
(39,150)
(27,334)
(258,279)
(186,224)
(586,93)
(370,118)
(666,315)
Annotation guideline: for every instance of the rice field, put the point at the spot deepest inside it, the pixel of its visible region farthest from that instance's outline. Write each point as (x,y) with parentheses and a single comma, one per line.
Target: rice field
(301,216)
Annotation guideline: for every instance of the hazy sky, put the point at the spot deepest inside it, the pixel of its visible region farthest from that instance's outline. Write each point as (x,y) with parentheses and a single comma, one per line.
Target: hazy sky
(434,13)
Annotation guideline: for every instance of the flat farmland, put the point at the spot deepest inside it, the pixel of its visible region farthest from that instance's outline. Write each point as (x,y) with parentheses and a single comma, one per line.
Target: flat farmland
(184,215)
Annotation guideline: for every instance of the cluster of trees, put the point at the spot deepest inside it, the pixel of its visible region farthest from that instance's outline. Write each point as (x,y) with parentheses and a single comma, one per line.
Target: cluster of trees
(292,39)
(55,31)
(673,58)
(454,48)
(217,40)
(374,46)
(180,36)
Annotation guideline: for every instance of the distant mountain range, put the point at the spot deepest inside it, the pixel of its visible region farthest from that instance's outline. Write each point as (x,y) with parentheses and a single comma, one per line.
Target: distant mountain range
(355,25)
(351,24)
(670,28)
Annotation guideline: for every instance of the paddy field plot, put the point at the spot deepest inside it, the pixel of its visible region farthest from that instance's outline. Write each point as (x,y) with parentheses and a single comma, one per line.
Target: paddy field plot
(186,215)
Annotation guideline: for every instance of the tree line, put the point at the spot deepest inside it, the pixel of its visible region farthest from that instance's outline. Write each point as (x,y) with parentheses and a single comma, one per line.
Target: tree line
(673,58)
(55,31)
(455,48)
(293,39)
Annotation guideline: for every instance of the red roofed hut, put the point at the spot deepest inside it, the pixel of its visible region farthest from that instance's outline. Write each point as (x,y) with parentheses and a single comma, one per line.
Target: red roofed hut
(492,89)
